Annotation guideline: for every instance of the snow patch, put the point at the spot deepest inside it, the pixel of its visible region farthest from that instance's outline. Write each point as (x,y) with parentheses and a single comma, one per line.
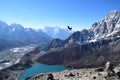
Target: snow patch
(13,29)
(71,41)
(15,49)
(1,68)
(56,31)
(6,63)
(94,40)
(17,61)
(111,33)
(27,29)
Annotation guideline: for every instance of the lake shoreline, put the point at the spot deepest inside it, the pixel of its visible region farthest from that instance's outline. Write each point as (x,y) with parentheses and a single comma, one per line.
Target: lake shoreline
(80,74)
(41,68)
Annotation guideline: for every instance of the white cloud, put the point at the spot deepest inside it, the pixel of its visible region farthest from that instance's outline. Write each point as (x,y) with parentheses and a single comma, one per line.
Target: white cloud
(56,31)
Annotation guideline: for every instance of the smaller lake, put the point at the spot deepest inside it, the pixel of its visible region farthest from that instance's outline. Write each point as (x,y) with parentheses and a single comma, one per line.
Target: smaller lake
(40,68)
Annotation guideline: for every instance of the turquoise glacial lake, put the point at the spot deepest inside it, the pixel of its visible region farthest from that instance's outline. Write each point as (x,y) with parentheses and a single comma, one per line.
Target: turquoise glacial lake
(40,68)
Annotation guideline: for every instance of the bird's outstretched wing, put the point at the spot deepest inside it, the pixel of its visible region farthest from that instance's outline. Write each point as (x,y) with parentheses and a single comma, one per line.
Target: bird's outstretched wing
(69,27)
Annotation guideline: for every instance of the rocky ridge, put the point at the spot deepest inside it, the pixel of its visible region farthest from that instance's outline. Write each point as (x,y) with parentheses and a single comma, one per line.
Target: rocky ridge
(103,29)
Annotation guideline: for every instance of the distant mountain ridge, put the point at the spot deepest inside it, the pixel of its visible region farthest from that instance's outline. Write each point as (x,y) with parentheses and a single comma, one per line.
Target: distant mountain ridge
(17,33)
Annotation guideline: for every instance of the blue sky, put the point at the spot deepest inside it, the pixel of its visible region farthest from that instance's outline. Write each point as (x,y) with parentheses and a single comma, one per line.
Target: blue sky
(79,14)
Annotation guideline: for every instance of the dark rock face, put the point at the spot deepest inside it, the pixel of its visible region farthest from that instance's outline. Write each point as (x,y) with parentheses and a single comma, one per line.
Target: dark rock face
(118,74)
(50,77)
(93,54)
(54,44)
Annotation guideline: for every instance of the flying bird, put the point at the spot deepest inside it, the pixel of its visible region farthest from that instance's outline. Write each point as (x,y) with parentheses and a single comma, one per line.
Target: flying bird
(70,28)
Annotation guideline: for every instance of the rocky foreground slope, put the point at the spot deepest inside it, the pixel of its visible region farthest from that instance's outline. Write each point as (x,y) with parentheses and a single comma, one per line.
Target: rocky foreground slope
(103,73)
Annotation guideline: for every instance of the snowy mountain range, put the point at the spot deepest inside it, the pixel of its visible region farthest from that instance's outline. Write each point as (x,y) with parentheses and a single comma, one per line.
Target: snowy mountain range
(16,34)
(104,29)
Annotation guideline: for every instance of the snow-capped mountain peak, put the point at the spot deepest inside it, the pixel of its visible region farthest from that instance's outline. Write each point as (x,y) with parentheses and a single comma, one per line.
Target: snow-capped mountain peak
(106,26)
(112,14)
